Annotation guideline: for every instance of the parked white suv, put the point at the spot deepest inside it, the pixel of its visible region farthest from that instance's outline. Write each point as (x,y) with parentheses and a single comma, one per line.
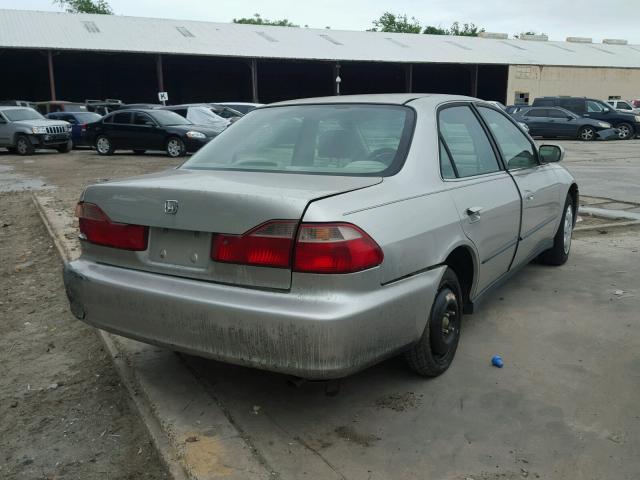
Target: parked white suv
(623,106)
(23,130)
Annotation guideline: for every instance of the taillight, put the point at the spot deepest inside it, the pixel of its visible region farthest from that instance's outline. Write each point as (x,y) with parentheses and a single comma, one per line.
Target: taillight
(267,245)
(83,126)
(335,248)
(320,248)
(96,227)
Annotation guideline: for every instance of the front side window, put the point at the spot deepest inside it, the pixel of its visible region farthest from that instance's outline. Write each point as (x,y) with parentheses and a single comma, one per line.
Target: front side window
(342,139)
(467,142)
(536,112)
(594,107)
(557,113)
(142,119)
(517,151)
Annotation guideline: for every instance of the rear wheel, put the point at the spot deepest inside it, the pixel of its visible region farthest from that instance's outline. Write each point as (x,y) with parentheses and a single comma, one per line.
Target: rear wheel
(559,253)
(435,350)
(625,131)
(24,145)
(66,148)
(104,145)
(175,147)
(587,134)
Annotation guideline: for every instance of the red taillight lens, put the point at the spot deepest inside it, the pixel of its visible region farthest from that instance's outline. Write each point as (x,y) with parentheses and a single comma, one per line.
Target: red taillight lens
(320,248)
(96,227)
(335,248)
(268,245)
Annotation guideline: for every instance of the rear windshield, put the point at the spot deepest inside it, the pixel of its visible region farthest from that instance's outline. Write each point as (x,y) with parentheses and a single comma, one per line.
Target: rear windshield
(339,139)
(20,114)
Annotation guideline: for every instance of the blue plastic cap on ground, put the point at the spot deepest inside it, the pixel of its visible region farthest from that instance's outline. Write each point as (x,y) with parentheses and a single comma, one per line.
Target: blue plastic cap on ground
(496,361)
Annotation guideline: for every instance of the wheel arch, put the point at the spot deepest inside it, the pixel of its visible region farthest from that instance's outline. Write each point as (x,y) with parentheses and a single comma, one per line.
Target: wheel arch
(463,261)
(575,197)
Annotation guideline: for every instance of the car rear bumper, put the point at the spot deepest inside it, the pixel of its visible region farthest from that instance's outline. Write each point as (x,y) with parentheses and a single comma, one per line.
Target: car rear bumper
(312,334)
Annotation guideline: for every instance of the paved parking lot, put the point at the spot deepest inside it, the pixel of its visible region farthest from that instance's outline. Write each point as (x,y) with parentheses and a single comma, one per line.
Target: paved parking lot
(605,169)
(566,404)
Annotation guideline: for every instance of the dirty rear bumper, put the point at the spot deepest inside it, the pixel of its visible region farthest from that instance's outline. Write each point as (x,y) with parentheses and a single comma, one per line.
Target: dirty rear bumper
(309,333)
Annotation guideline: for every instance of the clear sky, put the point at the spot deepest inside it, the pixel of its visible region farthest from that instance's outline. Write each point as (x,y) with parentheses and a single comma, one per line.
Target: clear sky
(557,18)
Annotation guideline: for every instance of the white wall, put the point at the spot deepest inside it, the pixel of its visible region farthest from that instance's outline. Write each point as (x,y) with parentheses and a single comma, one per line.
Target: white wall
(598,83)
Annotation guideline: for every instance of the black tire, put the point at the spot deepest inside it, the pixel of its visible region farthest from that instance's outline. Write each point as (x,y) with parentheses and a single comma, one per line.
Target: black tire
(24,145)
(139,152)
(625,131)
(587,134)
(175,147)
(104,145)
(435,350)
(559,253)
(66,148)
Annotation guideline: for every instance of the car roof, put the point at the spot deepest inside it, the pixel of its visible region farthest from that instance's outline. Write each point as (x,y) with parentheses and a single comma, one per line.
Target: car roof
(13,107)
(380,98)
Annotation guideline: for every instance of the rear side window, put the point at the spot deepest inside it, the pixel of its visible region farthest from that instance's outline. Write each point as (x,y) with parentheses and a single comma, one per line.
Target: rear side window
(594,107)
(333,139)
(122,117)
(446,165)
(467,142)
(517,151)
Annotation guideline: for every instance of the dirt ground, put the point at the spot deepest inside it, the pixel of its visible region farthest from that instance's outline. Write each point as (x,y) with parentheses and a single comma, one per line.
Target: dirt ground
(63,412)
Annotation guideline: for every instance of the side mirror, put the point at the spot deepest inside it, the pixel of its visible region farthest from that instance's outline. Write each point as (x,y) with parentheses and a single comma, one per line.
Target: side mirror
(149,124)
(606,110)
(569,117)
(551,153)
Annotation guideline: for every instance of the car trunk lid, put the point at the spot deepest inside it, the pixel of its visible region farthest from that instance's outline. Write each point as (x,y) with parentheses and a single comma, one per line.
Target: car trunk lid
(184,208)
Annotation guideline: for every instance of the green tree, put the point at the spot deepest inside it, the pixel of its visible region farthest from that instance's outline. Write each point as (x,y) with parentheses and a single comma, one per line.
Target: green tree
(390,22)
(85,6)
(466,30)
(258,20)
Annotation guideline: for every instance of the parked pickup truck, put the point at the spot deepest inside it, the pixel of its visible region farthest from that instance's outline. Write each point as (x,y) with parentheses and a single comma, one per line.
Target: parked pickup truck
(23,130)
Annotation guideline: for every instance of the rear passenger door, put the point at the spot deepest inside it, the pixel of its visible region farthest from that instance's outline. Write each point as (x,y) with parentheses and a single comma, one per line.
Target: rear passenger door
(539,186)
(485,195)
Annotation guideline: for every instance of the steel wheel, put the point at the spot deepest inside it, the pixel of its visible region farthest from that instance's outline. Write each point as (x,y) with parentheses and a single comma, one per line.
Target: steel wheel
(175,148)
(587,134)
(103,145)
(445,323)
(568,229)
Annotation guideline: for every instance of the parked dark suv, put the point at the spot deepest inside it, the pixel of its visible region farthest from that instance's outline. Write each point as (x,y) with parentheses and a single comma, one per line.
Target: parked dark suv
(628,124)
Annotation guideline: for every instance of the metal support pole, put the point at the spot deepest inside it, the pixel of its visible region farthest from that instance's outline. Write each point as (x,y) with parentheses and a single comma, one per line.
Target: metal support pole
(474,80)
(408,77)
(160,73)
(254,80)
(52,79)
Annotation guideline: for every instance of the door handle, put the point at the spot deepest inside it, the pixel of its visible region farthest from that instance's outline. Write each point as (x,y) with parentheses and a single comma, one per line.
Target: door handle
(474,211)
(528,196)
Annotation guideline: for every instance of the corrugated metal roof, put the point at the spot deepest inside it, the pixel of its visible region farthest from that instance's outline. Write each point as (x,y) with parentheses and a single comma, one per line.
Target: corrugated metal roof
(63,31)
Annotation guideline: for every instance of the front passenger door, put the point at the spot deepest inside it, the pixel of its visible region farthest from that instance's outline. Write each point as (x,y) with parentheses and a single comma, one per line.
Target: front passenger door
(539,186)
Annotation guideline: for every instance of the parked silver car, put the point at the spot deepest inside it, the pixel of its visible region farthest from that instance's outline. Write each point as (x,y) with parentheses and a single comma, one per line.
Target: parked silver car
(23,130)
(319,236)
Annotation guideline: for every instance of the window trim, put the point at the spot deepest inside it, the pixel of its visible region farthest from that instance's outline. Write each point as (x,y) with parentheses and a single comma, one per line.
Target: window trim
(531,142)
(113,118)
(470,104)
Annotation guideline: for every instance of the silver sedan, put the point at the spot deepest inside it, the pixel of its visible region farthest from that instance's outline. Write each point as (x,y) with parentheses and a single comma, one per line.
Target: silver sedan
(319,236)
